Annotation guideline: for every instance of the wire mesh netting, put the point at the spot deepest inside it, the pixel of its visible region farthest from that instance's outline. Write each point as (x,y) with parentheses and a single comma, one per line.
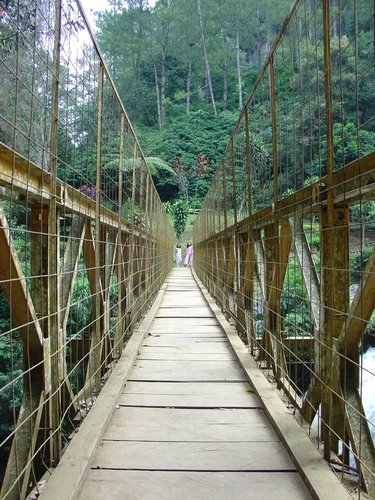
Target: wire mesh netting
(285,238)
(85,242)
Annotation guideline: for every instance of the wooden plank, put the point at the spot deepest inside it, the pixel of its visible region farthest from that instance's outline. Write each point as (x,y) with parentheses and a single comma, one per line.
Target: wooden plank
(214,344)
(317,474)
(70,266)
(360,311)
(187,371)
(150,485)
(187,322)
(184,312)
(174,424)
(138,455)
(176,326)
(71,469)
(178,355)
(188,334)
(189,303)
(183,394)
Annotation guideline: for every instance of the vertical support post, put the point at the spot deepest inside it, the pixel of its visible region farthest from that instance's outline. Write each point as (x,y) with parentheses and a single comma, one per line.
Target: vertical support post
(96,358)
(249,165)
(274,136)
(53,255)
(327,299)
(335,300)
(271,250)
(234,187)
(146,254)
(224,197)
(274,294)
(119,254)
(39,265)
(250,251)
(132,252)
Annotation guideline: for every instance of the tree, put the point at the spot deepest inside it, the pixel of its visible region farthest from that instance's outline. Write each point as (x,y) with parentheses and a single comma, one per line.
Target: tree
(180,215)
(207,64)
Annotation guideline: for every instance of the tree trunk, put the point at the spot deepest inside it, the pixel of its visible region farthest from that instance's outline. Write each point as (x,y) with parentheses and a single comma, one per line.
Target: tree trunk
(238,54)
(208,71)
(259,38)
(206,92)
(157,95)
(140,39)
(335,27)
(225,87)
(188,82)
(162,86)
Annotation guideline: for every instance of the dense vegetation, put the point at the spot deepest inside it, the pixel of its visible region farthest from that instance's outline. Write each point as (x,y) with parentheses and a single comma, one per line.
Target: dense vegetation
(183,68)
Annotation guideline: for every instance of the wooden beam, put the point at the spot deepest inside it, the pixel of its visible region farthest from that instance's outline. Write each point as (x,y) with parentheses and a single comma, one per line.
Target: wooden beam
(22,443)
(360,312)
(361,439)
(279,272)
(70,265)
(307,266)
(13,284)
(310,199)
(89,257)
(27,179)
(34,437)
(334,240)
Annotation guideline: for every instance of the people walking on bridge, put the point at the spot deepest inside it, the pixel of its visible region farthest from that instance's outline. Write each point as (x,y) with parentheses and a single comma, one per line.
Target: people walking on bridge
(178,255)
(189,254)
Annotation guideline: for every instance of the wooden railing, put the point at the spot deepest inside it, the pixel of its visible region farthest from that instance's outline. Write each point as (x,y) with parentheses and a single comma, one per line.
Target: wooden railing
(84,240)
(285,238)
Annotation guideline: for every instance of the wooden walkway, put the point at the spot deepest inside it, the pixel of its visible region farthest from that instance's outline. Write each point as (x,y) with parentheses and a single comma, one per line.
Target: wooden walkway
(187,425)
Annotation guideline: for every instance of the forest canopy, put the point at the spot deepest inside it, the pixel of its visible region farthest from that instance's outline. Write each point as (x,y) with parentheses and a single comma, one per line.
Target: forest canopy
(183,69)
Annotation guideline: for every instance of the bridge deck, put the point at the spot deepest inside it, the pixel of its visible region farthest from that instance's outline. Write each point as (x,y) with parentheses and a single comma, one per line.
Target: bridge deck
(187,424)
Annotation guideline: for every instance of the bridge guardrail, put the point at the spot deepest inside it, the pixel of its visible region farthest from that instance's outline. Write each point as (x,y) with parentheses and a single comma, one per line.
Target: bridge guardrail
(84,238)
(285,238)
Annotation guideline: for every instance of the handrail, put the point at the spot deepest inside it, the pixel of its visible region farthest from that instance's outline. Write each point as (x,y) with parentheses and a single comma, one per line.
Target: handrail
(84,238)
(284,240)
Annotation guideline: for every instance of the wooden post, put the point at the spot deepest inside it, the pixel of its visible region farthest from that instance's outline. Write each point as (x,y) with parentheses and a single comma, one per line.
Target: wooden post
(327,254)
(95,371)
(56,349)
(334,244)
(119,255)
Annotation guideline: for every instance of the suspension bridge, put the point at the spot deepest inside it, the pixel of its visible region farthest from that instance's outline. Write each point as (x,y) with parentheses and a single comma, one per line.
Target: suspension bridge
(243,377)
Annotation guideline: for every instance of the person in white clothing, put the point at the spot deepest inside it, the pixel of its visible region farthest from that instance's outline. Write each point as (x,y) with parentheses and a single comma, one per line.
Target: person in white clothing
(178,256)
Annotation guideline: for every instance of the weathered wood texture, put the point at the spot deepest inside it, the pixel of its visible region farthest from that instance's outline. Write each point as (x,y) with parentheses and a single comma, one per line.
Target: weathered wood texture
(187,423)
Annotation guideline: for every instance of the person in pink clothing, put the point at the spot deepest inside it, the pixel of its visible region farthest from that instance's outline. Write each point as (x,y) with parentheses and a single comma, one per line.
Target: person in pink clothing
(189,254)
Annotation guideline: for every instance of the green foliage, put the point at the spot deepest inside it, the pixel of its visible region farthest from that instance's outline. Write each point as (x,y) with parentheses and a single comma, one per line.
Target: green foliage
(141,44)
(10,402)
(363,214)
(80,310)
(349,144)
(168,207)
(193,145)
(358,262)
(11,359)
(180,215)
(298,324)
